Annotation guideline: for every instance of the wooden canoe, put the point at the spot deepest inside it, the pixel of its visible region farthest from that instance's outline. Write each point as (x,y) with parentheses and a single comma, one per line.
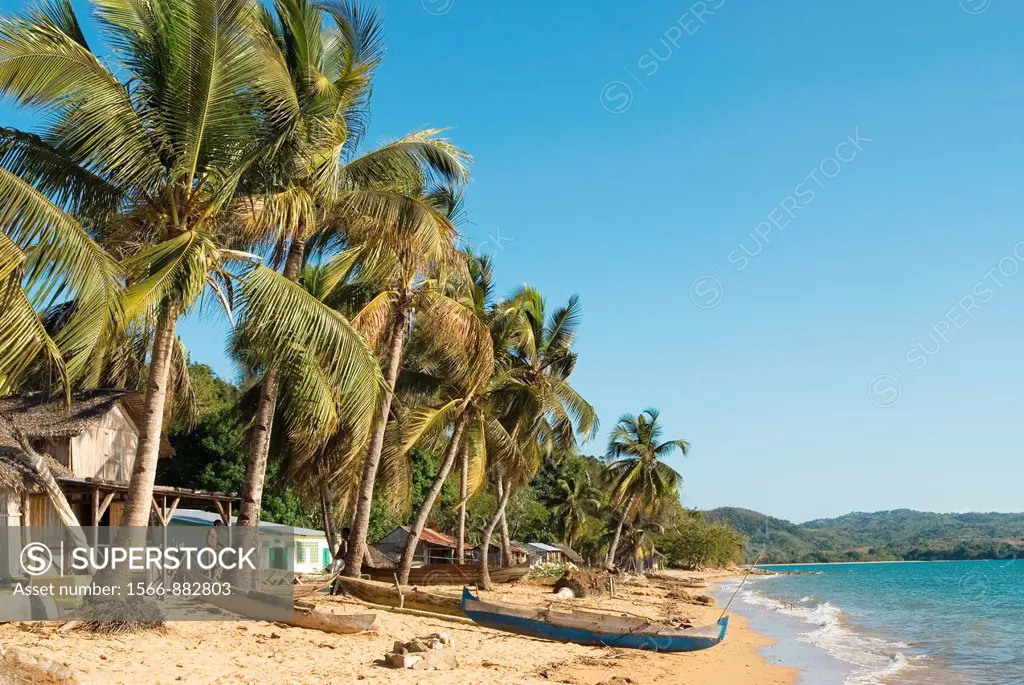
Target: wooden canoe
(449,574)
(386,594)
(588,628)
(263,607)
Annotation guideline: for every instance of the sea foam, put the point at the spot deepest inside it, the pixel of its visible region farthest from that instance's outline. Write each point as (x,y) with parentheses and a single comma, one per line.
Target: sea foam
(873,658)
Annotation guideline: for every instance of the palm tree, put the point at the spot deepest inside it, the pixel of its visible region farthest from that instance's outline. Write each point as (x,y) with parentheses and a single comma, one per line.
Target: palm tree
(578,500)
(638,476)
(167,149)
(480,298)
(407,264)
(541,412)
(309,170)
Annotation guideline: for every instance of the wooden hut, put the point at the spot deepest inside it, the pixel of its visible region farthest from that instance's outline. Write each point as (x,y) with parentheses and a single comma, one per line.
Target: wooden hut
(517,552)
(90,449)
(569,554)
(433,547)
(544,553)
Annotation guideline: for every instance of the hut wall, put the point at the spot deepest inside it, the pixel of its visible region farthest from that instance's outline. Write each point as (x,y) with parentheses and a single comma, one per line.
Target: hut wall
(394,543)
(433,554)
(106,449)
(10,553)
(58,448)
(41,511)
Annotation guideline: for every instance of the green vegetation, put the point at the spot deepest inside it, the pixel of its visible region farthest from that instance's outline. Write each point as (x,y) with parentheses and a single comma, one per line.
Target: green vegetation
(901,534)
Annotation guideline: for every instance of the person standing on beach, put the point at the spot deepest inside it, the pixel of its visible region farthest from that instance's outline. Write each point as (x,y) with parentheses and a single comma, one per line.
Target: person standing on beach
(213,542)
(339,560)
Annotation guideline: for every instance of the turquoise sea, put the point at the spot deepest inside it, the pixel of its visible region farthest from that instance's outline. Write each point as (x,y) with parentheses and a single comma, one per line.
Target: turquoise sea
(892,623)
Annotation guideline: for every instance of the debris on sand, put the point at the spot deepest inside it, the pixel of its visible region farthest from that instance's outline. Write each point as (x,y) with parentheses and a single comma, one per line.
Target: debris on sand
(585,582)
(21,668)
(436,652)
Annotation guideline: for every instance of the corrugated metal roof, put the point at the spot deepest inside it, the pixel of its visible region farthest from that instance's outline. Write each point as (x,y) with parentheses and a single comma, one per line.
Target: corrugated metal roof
(513,545)
(432,537)
(541,547)
(197,517)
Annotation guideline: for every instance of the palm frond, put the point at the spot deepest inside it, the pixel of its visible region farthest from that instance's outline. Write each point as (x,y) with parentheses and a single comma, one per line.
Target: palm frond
(288,318)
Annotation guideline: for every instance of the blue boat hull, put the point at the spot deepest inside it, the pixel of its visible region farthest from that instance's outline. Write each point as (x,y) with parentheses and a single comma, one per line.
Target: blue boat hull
(543,629)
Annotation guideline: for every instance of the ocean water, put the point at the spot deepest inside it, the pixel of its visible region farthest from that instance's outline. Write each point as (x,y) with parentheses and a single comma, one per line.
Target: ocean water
(960,623)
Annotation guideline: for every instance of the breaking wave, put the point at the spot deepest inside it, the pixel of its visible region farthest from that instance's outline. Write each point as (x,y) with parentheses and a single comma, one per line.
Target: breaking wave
(873,658)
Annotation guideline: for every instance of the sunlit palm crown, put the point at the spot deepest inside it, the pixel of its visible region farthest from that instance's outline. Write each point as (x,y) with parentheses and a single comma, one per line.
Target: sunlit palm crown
(545,411)
(636,452)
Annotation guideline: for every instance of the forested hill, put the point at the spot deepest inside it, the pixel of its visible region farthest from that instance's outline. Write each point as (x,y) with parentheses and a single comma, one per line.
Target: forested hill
(878,536)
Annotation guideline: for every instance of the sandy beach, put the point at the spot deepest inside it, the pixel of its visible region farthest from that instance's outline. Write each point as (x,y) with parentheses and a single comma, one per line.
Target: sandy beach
(258,652)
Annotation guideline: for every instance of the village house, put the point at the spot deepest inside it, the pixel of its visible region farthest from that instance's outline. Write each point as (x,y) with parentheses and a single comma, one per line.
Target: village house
(569,554)
(90,448)
(544,553)
(517,553)
(433,547)
(306,549)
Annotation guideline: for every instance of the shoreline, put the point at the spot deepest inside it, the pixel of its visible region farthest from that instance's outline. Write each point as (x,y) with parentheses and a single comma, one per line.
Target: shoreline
(260,652)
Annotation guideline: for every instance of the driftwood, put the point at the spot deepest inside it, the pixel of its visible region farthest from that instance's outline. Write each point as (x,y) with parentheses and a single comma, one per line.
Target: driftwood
(410,598)
(341,624)
(693,583)
(23,668)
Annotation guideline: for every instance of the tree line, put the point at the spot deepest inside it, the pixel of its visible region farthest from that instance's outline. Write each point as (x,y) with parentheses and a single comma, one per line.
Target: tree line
(211,154)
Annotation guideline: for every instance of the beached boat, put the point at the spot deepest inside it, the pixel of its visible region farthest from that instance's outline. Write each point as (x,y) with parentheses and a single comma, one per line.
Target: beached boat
(449,574)
(262,606)
(587,628)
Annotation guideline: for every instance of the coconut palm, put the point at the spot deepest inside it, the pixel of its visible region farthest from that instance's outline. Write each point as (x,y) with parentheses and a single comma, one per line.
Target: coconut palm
(166,148)
(459,405)
(577,501)
(406,264)
(638,476)
(309,173)
(541,412)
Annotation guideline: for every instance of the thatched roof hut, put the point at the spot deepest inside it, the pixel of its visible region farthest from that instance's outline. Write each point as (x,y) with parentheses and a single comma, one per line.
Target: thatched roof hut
(49,417)
(569,554)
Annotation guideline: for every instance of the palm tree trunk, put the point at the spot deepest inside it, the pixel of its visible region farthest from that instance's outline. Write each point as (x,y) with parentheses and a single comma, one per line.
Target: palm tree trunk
(506,557)
(610,559)
(140,487)
(361,520)
(485,546)
(435,489)
(327,507)
(460,537)
(263,421)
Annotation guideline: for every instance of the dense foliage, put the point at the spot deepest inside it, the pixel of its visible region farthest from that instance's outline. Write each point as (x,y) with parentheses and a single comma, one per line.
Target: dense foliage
(901,534)
(212,453)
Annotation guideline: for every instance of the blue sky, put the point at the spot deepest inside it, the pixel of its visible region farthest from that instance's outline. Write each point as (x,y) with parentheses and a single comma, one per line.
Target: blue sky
(867,354)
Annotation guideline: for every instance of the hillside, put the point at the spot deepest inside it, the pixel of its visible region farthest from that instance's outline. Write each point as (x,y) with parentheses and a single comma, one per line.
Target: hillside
(878,536)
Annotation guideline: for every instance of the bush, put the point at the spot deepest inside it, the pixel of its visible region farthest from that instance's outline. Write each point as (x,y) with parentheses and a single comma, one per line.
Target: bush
(696,544)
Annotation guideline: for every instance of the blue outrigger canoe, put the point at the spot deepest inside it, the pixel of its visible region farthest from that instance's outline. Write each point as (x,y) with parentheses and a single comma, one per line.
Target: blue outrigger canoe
(586,628)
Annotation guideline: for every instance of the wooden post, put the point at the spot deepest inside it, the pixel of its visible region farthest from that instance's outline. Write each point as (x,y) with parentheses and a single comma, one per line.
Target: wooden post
(401,597)
(26,519)
(163,520)
(96,517)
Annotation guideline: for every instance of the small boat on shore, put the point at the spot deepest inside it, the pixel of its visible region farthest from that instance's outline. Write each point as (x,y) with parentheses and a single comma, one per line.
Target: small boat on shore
(587,628)
(448,574)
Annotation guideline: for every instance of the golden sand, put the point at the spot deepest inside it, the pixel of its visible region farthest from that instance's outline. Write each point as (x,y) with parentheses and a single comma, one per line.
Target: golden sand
(257,652)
